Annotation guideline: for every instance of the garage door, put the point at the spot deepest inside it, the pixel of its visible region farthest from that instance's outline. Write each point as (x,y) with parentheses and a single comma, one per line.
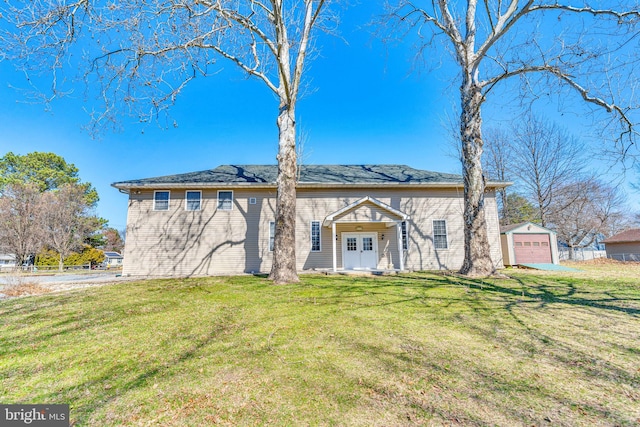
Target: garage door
(532,248)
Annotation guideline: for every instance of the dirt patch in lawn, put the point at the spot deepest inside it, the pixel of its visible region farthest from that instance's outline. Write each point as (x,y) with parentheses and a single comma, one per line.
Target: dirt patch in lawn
(24,289)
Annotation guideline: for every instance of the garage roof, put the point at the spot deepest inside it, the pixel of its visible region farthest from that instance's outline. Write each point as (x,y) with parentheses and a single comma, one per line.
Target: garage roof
(627,236)
(515,227)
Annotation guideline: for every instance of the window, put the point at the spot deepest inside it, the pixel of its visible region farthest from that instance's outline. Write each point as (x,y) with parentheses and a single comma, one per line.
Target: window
(193,200)
(352,244)
(367,244)
(272,235)
(225,200)
(160,200)
(440,234)
(315,236)
(252,200)
(405,241)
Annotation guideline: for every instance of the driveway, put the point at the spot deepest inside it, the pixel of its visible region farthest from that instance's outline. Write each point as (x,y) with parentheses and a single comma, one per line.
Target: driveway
(61,282)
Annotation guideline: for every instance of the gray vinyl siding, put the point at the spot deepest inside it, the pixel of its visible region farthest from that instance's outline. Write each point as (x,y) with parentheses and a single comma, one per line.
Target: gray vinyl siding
(178,242)
(622,248)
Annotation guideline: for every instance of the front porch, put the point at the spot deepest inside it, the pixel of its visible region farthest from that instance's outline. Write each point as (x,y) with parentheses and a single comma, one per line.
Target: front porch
(367,236)
(341,272)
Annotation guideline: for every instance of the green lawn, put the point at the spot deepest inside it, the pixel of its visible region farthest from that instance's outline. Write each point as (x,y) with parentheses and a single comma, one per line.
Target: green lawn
(415,349)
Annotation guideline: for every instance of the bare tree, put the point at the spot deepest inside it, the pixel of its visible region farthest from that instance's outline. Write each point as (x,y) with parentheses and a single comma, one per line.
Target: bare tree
(113,240)
(544,158)
(551,46)
(20,221)
(66,220)
(497,166)
(149,51)
(584,210)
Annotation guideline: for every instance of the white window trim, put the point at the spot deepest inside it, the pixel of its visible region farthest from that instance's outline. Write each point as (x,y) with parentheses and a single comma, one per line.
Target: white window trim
(446,230)
(319,235)
(168,200)
(186,201)
(272,236)
(218,200)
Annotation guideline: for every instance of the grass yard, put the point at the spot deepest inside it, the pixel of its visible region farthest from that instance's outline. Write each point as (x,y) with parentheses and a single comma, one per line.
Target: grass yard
(536,349)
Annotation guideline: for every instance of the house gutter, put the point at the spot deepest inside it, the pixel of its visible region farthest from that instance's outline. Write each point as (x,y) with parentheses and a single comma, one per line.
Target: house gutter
(125,187)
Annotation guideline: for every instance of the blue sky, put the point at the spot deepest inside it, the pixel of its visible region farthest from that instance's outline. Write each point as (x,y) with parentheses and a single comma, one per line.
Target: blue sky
(369,104)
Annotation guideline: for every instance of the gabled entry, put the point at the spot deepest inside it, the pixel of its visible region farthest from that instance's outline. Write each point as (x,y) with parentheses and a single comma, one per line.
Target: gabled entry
(363,224)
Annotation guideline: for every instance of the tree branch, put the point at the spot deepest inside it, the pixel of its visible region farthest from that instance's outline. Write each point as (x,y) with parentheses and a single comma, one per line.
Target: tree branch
(621,15)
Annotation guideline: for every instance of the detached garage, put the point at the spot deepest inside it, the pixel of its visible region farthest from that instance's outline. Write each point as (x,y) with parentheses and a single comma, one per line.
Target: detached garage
(528,243)
(624,246)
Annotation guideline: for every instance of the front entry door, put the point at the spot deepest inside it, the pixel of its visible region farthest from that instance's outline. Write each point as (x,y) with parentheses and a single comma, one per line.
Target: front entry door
(359,251)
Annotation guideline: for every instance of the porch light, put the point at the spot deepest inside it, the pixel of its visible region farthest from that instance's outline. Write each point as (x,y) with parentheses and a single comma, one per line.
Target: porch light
(382,237)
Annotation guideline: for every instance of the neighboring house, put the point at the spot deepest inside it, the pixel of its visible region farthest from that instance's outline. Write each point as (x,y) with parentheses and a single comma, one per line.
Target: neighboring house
(624,246)
(219,221)
(528,243)
(112,259)
(7,262)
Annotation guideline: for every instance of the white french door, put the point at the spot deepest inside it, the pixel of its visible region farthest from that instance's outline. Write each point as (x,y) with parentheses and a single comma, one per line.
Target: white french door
(359,251)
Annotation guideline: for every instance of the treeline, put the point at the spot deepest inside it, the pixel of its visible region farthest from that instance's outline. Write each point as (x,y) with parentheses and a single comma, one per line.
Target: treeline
(47,212)
(553,183)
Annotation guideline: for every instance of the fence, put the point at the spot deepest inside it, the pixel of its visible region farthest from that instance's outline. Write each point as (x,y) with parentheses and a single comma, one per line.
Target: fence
(66,267)
(581,254)
(34,268)
(625,257)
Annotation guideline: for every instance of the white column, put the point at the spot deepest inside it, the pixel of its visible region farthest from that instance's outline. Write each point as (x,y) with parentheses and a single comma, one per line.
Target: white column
(333,243)
(400,247)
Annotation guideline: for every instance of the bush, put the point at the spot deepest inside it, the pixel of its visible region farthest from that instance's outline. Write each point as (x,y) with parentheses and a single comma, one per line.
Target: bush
(89,255)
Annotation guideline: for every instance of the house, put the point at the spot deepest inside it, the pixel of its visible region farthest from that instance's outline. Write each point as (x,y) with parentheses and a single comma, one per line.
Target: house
(624,246)
(528,243)
(7,262)
(221,221)
(112,259)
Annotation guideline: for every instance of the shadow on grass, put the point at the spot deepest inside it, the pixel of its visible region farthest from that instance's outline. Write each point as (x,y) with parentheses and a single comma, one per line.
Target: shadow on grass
(112,383)
(548,291)
(418,287)
(472,303)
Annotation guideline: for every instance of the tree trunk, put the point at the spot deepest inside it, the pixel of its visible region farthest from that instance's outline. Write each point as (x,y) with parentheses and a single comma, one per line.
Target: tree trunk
(283,269)
(61,263)
(477,252)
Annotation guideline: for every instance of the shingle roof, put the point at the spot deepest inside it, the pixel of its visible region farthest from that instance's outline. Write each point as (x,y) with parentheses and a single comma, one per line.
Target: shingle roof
(112,254)
(309,174)
(632,235)
(506,228)
(511,227)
